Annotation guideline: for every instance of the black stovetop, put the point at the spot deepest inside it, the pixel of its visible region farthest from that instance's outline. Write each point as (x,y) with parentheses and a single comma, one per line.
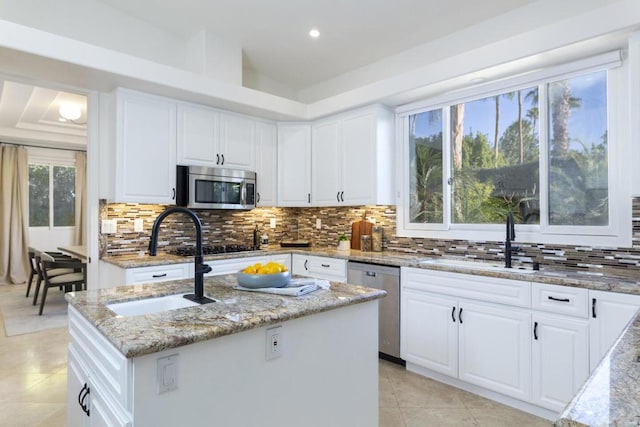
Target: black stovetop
(211,249)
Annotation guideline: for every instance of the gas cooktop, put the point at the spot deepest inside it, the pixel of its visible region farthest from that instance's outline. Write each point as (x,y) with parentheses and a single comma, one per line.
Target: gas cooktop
(211,249)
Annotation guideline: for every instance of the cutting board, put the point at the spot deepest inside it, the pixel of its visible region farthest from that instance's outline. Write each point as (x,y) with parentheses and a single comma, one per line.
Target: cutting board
(360,228)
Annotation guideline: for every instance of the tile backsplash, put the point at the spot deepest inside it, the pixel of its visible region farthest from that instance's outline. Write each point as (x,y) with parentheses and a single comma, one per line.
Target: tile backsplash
(229,227)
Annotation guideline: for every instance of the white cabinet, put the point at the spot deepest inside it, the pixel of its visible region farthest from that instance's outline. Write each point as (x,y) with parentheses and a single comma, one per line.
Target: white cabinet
(294,164)
(140,166)
(609,314)
(560,352)
(112,275)
(480,343)
(198,136)
(98,386)
(233,265)
(266,164)
(208,137)
(320,267)
(352,159)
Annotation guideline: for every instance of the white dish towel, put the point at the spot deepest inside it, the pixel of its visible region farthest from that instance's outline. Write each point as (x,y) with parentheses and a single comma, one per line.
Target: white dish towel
(295,288)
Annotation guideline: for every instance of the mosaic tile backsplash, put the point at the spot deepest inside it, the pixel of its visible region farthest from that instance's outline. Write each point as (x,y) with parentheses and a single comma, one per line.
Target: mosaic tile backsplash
(236,227)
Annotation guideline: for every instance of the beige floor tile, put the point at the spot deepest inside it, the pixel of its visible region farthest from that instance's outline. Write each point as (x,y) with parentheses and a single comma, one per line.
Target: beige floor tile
(419,392)
(386,396)
(15,387)
(440,417)
(497,415)
(391,417)
(19,414)
(57,419)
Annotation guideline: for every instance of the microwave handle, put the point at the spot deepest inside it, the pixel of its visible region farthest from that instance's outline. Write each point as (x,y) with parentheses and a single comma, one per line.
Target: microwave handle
(243,193)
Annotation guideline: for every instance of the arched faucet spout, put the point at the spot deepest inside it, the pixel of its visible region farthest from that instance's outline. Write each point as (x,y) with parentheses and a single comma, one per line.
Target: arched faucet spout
(200,267)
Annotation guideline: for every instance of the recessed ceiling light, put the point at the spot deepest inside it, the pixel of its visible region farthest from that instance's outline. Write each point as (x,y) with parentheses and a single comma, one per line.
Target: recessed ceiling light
(314,33)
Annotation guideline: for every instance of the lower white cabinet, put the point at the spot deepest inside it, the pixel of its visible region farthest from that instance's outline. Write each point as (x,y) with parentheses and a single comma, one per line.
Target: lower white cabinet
(320,267)
(112,275)
(560,357)
(479,343)
(609,313)
(233,265)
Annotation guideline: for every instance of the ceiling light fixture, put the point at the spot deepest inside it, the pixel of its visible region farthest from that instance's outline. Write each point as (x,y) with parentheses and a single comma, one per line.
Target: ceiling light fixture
(314,33)
(70,111)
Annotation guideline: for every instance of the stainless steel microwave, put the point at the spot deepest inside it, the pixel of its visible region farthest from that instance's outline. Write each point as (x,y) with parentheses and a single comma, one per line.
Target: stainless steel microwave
(201,187)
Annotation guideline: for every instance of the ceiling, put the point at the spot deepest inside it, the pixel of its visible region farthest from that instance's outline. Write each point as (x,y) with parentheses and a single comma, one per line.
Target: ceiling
(274,34)
(30,114)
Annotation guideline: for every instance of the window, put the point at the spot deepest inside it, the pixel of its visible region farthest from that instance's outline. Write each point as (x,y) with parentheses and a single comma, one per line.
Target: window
(540,150)
(51,195)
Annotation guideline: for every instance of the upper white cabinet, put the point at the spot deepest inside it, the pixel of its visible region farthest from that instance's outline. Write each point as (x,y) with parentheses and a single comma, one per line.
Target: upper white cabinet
(139,157)
(352,159)
(198,135)
(294,164)
(266,163)
(237,142)
(207,137)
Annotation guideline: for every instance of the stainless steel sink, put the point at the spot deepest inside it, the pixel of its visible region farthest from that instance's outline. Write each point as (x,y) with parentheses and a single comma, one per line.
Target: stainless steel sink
(150,305)
(474,265)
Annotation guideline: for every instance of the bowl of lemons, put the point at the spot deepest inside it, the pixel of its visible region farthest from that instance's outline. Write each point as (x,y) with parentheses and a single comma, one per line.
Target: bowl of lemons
(269,275)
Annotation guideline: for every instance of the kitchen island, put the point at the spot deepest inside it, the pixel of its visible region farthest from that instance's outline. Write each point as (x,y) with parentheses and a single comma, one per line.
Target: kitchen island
(213,364)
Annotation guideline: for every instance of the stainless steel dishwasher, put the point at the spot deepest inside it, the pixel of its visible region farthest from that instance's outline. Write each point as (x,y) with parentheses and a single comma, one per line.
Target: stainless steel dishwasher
(388,279)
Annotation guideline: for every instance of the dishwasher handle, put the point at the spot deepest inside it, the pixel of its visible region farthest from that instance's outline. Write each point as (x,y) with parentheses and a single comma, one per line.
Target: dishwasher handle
(370,273)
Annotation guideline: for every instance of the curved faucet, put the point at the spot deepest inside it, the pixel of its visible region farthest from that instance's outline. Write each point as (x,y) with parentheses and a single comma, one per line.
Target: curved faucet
(200,267)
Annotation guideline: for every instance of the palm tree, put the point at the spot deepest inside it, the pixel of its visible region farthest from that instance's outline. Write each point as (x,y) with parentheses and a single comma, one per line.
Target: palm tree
(561,105)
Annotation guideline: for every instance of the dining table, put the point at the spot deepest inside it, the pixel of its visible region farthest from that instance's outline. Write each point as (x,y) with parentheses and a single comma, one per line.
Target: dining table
(79,251)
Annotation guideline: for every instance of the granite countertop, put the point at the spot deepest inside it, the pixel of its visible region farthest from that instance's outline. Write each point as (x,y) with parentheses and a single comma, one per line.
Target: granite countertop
(611,395)
(404,259)
(234,311)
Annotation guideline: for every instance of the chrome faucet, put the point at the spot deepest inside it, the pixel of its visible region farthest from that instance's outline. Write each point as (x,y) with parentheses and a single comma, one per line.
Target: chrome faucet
(511,235)
(200,267)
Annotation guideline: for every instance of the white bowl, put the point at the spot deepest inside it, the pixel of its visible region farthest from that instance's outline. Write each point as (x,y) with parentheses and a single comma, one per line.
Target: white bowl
(254,281)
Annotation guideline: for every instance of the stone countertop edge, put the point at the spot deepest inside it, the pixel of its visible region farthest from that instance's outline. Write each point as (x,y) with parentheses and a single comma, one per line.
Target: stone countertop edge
(402,259)
(234,311)
(611,394)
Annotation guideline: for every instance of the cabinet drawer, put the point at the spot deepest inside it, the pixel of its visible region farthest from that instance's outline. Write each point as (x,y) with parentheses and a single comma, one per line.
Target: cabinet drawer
(320,267)
(104,362)
(481,288)
(159,273)
(559,299)
(233,265)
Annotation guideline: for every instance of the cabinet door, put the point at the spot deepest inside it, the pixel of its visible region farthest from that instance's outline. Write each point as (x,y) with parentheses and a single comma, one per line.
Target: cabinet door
(358,159)
(495,348)
(609,314)
(294,165)
(300,265)
(77,379)
(237,142)
(146,149)
(197,143)
(429,331)
(231,266)
(560,359)
(266,164)
(325,164)
(327,268)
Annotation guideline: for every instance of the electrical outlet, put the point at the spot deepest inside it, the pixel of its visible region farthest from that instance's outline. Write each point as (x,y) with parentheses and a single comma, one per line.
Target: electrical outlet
(272,223)
(138,225)
(318,223)
(167,373)
(273,342)
(109,226)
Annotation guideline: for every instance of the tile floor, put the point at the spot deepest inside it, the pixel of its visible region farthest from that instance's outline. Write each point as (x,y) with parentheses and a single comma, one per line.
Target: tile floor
(33,386)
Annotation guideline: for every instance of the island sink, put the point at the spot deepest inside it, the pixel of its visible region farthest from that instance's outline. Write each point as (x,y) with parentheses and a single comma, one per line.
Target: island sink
(150,305)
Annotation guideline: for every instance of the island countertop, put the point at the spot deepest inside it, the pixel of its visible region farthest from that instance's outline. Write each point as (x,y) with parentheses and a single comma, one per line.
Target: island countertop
(611,395)
(234,311)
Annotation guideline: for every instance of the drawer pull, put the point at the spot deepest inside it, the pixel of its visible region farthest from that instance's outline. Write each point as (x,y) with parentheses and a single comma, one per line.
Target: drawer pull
(593,308)
(460,315)
(325,265)
(155,276)
(453,314)
(306,261)
(559,299)
(371,274)
(535,331)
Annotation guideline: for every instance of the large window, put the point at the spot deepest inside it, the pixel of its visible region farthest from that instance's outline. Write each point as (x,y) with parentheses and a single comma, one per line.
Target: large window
(539,150)
(51,195)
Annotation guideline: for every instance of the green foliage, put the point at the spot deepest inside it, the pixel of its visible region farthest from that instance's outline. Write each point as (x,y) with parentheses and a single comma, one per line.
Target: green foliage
(64,181)
(38,195)
(64,196)
(426,204)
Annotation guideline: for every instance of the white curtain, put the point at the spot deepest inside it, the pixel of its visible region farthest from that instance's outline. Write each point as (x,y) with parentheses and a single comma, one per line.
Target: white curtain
(81,196)
(14,214)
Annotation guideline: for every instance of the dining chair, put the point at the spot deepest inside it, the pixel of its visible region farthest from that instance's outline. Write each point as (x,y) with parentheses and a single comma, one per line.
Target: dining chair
(52,272)
(69,281)
(32,267)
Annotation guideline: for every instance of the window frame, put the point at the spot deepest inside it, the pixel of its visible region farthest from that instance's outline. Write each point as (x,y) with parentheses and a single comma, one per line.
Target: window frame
(51,161)
(617,233)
